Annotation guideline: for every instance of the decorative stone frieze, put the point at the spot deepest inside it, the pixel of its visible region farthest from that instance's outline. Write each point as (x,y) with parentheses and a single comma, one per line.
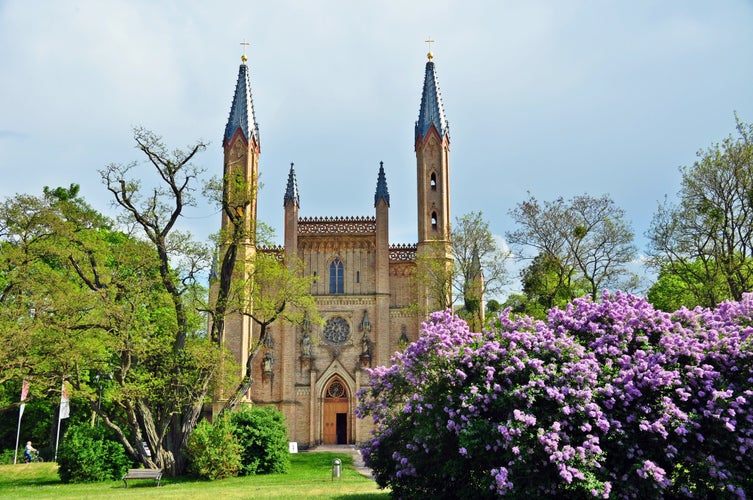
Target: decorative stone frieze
(337,225)
(403,253)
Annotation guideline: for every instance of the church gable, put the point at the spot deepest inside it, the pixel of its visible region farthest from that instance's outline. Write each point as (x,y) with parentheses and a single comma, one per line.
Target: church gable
(337,369)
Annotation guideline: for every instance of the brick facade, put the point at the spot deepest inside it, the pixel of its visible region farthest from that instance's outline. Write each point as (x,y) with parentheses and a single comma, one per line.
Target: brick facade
(318,370)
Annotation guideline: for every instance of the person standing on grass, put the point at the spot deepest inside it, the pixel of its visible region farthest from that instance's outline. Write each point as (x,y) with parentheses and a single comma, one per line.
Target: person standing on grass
(27,451)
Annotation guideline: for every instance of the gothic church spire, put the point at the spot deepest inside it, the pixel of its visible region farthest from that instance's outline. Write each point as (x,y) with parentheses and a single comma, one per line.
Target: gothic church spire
(242,115)
(291,192)
(381,190)
(432,110)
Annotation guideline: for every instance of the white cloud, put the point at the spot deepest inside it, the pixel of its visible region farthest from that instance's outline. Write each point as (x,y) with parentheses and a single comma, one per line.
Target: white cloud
(559,98)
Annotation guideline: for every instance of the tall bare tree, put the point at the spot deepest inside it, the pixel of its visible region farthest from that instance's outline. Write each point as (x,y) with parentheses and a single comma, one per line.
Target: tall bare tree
(253,282)
(587,237)
(154,211)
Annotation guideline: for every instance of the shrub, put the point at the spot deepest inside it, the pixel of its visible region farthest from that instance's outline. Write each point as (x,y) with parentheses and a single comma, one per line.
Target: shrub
(6,457)
(263,436)
(90,454)
(609,399)
(213,451)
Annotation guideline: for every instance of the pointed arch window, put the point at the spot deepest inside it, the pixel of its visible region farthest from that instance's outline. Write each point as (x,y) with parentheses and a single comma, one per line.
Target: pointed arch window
(434,221)
(336,279)
(336,390)
(433,181)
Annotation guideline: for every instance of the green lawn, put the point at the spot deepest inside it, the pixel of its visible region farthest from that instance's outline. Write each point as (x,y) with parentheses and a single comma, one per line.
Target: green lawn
(310,477)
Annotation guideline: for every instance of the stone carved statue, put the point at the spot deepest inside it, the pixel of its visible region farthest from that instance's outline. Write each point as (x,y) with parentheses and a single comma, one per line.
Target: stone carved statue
(365,323)
(306,345)
(403,335)
(365,345)
(267,362)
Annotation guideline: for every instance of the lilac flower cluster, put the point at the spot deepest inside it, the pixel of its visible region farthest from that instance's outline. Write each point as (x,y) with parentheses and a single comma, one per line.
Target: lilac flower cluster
(603,399)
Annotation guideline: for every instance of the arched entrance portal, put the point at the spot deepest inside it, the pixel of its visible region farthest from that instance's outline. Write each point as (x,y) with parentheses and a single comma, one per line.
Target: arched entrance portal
(336,428)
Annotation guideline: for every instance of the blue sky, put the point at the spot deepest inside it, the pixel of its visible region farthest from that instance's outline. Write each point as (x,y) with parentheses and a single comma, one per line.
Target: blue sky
(553,98)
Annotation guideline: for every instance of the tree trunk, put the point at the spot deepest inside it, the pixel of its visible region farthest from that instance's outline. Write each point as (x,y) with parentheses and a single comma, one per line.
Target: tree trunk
(245,385)
(243,388)
(181,428)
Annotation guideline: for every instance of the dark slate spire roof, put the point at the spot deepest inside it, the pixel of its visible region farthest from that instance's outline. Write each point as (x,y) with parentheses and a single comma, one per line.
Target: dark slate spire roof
(432,110)
(381,189)
(291,192)
(242,110)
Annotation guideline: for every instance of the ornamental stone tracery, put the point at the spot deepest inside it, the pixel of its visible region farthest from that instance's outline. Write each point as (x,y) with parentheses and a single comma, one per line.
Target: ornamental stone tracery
(336,331)
(277,251)
(336,390)
(403,253)
(336,225)
(344,300)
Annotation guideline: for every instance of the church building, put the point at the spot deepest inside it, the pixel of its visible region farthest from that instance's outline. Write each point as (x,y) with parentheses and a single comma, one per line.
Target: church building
(365,287)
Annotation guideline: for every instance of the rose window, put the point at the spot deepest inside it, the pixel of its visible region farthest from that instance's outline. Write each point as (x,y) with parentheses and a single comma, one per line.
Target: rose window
(336,331)
(336,390)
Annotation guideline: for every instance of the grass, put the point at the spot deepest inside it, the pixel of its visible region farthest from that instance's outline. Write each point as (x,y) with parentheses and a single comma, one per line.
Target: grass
(310,476)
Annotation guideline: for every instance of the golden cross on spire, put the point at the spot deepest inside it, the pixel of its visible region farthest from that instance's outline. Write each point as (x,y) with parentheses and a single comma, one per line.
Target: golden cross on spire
(429,41)
(245,44)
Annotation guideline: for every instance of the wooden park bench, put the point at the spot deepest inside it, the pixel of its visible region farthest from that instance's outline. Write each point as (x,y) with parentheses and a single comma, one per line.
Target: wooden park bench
(142,474)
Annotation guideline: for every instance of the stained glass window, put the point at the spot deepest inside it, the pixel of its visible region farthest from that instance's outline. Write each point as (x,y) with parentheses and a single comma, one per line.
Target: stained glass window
(336,279)
(336,390)
(336,331)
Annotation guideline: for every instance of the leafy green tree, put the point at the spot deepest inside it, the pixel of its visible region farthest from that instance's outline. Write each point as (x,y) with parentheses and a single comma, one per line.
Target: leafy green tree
(260,284)
(705,239)
(173,361)
(546,283)
(493,306)
(271,290)
(94,301)
(35,290)
(434,276)
(676,287)
(263,437)
(479,264)
(213,449)
(584,241)
(50,328)
(516,302)
(91,454)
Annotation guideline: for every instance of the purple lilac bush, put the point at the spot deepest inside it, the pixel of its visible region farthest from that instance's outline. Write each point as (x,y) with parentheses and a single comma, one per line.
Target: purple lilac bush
(609,399)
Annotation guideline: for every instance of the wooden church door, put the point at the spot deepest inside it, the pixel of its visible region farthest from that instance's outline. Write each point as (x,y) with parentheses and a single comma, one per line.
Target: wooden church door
(336,421)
